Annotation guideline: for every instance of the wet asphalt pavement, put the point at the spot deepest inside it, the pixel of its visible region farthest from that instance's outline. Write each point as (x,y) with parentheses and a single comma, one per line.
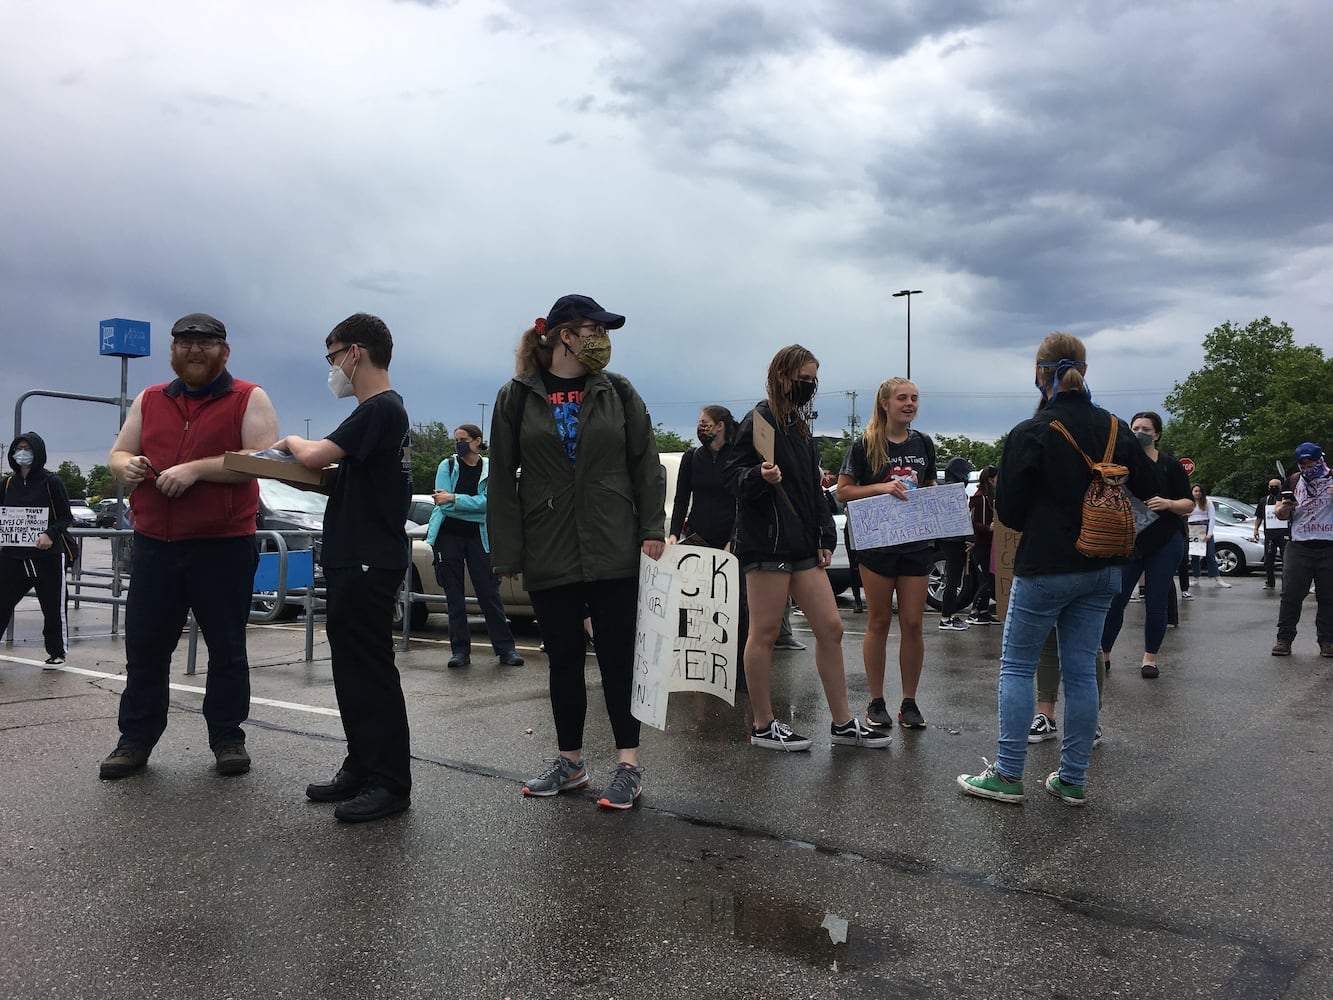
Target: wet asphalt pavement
(1200,867)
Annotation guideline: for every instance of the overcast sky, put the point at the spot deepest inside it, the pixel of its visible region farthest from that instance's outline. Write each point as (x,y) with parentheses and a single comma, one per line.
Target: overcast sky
(732,177)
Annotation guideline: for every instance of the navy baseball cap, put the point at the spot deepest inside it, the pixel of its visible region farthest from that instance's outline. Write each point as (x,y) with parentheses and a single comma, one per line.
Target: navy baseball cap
(568,308)
(1309,450)
(199,324)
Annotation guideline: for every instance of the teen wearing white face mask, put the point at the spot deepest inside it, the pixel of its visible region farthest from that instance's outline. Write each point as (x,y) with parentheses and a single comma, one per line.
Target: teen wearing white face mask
(39,567)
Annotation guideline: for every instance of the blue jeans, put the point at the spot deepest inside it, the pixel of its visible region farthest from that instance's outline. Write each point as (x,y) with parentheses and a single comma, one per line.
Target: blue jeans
(1157,570)
(1077,603)
(1209,558)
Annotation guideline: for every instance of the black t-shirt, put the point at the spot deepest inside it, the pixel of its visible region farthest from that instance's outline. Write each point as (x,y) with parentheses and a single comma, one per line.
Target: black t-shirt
(1175,486)
(364,522)
(912,461)
(469,478)
(566,398)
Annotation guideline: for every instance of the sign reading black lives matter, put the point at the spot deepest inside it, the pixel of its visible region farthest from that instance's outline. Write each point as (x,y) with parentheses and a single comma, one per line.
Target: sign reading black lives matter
(929,512)
(21,525)
(686,636)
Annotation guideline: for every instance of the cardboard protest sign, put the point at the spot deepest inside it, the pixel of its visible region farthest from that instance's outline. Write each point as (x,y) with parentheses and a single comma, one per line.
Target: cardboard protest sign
(929,512)
(1199,539)
(1004,547)
(763,437)
(20,526)
(706,654)
(655,631)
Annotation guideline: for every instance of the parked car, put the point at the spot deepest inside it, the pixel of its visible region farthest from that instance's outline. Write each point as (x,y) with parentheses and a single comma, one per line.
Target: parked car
(110,512)
(516,600)
(83,514)
(1237,552)
(283,507)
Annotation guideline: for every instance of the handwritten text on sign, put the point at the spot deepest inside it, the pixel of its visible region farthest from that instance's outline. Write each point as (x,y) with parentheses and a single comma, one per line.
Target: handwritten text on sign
(706,656)
(21,525)
(654,638)
(929,512)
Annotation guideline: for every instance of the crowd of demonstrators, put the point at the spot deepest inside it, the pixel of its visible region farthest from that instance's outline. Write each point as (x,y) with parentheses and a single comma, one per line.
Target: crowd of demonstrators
(1276,532)
(590,500)
(890,459)
(954,550)
(459,541)
(1204,516)
(41,566)
(1157,549)
(365,555)
(981,505)
(1308,507)
(194,542)
(1042,481)
(784,541)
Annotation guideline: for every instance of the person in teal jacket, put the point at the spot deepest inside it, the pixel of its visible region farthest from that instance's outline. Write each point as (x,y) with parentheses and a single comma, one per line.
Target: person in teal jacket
(458,537)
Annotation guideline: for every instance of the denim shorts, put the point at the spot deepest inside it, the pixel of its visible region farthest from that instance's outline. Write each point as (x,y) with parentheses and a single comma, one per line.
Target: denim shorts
(780,565)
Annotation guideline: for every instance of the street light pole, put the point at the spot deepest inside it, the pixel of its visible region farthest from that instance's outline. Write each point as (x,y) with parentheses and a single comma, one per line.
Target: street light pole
(909,292)
(307,428)
(483,417)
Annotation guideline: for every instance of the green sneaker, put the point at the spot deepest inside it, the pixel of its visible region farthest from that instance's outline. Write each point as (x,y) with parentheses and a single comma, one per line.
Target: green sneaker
(1070,795)
(989,785)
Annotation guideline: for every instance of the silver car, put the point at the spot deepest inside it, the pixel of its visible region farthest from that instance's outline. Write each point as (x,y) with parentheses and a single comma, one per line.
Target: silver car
(1237,552)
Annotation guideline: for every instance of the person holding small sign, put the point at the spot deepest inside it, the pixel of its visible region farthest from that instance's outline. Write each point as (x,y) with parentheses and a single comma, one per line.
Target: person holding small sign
(38,566)
(785,539)
(890,459)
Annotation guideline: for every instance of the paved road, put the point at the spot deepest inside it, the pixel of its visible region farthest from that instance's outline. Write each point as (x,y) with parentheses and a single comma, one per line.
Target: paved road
(1199,869)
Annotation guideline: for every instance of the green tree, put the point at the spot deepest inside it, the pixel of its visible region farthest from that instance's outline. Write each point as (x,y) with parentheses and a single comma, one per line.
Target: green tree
(432,443)
(979,453)
(75,485)
(668,440)
(1257,396)
(100,482)
(833,451)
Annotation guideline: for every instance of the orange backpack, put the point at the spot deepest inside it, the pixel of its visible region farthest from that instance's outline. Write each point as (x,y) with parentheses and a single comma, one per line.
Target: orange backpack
(1108,518)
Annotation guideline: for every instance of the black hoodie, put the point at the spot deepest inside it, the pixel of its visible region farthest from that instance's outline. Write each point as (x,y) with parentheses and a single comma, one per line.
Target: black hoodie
(40,488)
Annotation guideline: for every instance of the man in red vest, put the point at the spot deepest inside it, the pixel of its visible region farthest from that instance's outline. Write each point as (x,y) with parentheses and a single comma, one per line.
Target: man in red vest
(194,541)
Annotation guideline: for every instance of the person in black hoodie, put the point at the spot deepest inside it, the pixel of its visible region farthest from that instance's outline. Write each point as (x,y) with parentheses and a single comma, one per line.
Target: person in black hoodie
(39,567)
(784,541)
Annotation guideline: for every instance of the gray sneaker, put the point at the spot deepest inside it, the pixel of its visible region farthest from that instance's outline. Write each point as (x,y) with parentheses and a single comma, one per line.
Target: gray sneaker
(563,775)
(788,644)
(626,785)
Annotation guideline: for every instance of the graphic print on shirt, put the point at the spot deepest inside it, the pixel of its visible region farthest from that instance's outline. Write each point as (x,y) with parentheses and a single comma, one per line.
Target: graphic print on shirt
(565,407)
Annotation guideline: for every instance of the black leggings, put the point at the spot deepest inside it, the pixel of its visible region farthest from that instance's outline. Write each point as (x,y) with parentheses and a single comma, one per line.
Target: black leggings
(612,605)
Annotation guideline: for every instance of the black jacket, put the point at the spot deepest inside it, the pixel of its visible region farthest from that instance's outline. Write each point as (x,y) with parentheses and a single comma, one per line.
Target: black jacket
(766,528)
(40,488)
(1042,480)
(702,494)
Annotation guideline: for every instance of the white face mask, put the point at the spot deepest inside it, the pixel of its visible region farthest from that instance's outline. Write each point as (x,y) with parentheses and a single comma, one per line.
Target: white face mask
(340,383)
(23,457)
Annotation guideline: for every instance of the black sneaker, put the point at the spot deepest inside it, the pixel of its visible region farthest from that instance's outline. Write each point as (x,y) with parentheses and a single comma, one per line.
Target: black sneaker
(877,714)
(909,716)
(459,661)
(1149,671)
(511,659)
(232,759)
(53,661)
(345,785)
(779,736)
(123,761)
(855,733)
(1042,729)
(981,618)
(370,805)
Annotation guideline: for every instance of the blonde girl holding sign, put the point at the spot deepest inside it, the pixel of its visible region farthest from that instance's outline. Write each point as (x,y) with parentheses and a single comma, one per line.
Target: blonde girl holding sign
(891,458)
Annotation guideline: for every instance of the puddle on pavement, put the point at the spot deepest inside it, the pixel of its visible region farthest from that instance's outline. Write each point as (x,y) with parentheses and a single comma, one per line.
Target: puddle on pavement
(811,934)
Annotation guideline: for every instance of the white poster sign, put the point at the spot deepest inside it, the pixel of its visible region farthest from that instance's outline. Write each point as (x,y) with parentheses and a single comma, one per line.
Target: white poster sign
(929,512)
(706,655)
(655,630)
(20,526)
(1198,539)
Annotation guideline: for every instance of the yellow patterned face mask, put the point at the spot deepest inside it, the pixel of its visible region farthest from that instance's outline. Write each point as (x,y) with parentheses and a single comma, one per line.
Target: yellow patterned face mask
(594,352)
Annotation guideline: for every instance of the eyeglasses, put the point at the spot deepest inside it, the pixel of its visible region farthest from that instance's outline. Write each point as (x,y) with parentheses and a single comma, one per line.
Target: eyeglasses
(332,359)
(594,327)
(187,343)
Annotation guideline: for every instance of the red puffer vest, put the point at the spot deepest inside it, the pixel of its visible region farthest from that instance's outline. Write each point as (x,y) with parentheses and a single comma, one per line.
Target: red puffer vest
(176,429)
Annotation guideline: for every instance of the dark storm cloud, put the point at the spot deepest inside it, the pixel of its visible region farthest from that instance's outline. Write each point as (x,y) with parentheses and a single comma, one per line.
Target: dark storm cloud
(894,29)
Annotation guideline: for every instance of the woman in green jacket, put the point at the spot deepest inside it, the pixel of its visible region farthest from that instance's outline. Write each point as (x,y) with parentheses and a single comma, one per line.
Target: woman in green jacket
(591,497)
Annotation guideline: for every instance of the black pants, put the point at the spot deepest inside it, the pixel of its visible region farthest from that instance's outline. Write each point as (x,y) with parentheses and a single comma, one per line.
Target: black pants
(1275,544)
(955,558)
(365,676)
(1303,564)
(985,578)
(853,565)
(612,604)
(452,554)
(46,575)
(214,578)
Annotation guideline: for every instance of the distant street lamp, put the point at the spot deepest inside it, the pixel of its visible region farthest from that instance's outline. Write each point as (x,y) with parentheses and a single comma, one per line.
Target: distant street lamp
(909,293)
(307,427)
(483,417)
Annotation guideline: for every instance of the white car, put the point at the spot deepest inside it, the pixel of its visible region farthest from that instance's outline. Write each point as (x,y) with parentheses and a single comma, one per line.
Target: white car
(1237,552)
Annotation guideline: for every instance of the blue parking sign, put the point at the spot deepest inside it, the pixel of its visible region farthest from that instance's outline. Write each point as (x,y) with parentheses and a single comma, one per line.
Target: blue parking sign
(123,338)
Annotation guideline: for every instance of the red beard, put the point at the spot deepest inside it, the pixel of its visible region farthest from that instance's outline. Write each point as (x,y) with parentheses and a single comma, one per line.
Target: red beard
(198,371)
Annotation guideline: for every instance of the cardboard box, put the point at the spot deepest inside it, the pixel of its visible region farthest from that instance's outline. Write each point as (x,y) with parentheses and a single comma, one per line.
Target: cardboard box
(319,480)
(1004,546)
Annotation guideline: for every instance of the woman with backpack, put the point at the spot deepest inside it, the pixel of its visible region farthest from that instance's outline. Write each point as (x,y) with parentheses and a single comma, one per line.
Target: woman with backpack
(591,498)
(1046,481)
(457,535)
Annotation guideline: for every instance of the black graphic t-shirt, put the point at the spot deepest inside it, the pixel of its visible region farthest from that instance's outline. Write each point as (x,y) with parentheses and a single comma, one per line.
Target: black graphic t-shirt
(911,461)
(566,398)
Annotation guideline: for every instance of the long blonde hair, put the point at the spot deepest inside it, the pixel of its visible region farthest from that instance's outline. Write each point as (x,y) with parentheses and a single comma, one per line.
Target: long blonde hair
(782,372)
(877,431)
(1058,347)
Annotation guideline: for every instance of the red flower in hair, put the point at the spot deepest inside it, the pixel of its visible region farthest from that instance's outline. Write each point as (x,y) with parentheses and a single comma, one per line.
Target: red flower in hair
(540,324)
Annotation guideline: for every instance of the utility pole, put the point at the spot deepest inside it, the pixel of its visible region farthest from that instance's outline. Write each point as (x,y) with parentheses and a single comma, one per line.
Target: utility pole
(483,419)
(851,420)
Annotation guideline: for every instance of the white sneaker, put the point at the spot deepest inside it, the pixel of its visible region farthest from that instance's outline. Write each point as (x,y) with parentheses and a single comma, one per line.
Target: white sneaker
(1222,583)
(1185,595)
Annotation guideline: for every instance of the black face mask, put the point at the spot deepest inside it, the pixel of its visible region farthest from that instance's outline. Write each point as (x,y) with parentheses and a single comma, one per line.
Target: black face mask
(802,393)
(463,448)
